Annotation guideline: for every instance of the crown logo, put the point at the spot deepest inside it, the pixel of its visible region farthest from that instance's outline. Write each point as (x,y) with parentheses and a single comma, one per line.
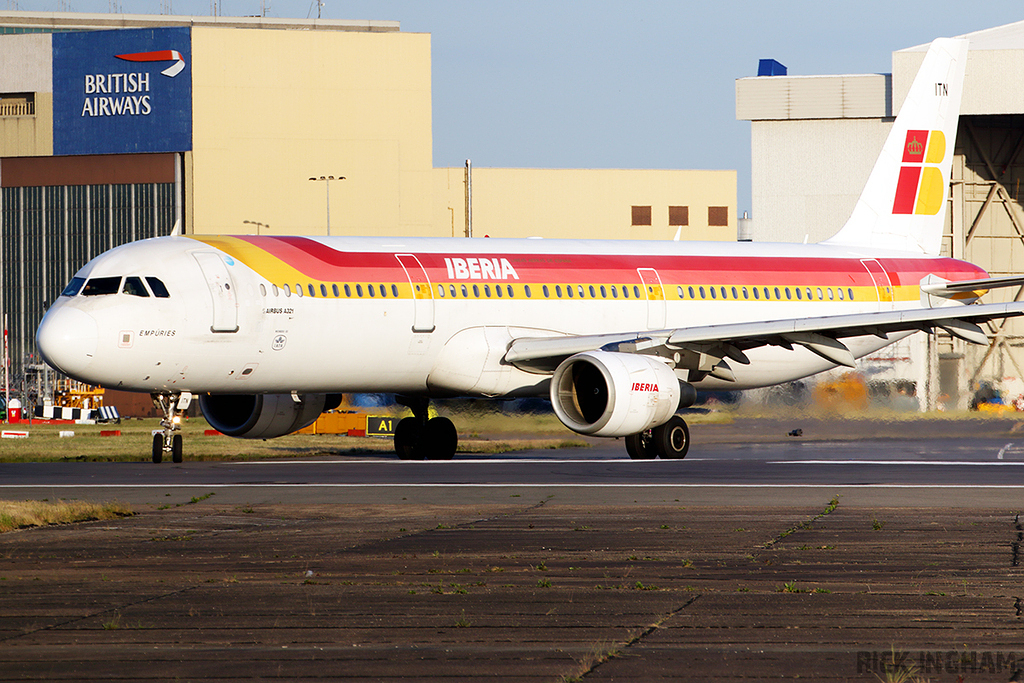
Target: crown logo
(915,147)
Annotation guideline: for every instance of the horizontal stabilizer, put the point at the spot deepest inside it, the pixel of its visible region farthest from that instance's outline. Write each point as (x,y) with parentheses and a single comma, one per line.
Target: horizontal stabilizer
(948,289)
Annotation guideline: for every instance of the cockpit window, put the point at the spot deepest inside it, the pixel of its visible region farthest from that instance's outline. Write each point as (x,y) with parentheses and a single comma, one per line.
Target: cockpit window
(158,288)
(133,285)
(73,287)
(101,285)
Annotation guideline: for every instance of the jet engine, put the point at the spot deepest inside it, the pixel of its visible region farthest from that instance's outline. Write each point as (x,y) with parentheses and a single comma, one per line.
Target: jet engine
(602,393)
(264,416)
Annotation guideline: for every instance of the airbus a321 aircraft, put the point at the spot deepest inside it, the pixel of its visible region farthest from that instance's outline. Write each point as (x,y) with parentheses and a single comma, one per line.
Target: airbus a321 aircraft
(269,331)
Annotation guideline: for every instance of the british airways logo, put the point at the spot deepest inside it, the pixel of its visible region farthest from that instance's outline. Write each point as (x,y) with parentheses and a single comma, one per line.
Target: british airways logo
(125,85)
(480,268)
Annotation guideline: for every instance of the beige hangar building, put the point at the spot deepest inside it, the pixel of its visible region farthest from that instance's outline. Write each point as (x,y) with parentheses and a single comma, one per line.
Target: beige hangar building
(814,140)
(120,127)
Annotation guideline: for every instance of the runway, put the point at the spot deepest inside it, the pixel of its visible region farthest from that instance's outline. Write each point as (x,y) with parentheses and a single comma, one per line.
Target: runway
(965,469)
(758,557)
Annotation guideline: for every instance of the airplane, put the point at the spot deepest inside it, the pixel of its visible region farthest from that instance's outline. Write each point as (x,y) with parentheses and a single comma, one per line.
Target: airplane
(269,332)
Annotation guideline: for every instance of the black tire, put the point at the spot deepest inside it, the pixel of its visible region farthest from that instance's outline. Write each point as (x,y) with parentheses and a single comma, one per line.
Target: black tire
(440,439)
(176,448)
(407,439)
(158,448)
(639,446)
(671,440)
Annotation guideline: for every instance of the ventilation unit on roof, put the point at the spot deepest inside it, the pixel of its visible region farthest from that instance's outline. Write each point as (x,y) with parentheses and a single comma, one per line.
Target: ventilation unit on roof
(769,67)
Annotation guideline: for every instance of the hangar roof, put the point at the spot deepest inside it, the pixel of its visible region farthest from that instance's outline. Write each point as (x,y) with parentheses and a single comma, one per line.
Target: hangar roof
(994,84)
(48,22)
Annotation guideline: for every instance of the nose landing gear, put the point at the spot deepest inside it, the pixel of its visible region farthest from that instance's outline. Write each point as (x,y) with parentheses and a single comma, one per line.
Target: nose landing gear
(167,442)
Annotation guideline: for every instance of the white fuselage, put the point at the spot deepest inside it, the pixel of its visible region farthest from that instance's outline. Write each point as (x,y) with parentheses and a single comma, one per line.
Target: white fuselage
(442,311)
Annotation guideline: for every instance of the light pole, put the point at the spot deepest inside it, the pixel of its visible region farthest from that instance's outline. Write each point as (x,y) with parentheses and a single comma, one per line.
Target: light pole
(258,225)
(327,181)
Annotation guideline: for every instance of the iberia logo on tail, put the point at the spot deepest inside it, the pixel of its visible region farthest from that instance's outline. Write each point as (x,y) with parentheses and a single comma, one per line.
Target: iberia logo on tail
(920,189)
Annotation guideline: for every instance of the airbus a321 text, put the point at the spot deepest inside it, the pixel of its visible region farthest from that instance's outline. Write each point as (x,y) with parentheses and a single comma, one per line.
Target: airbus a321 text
(268,332)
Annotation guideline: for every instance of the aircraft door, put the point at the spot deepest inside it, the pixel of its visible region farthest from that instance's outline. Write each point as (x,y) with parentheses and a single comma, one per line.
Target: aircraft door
(423,296)
(222,289)
(883,285)
(655,298)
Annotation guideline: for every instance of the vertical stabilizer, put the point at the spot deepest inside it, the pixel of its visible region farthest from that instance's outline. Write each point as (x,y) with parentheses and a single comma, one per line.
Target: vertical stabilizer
(903,205)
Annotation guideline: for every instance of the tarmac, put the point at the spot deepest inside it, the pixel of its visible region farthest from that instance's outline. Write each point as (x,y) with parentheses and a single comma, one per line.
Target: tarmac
(519,586)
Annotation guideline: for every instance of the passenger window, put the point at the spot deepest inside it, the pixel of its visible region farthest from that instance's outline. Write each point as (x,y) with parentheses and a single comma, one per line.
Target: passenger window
(497,290)
(840,290)
(569,292)
(394,291)
(713,294)
(348,290)
(593,293)
(849,290)
(371,291)
(476,291)
(263,290)
(831,296)
(734,294)
(604,294)
(746,294)
(701,291)
(820,298)
(73,287)
(298,290)
(810,294)
(133,286)
(440,291)
(799,295)
(359,291)
(511,292)
(787,294)
(636,292)
(777,296)
(487,291)
(558,291)
(334,290)
(312,292)
(689,290)
(274,289)
(615,292)
(287,290)
(465,292)
(451,290)
(757,293)
(528,294)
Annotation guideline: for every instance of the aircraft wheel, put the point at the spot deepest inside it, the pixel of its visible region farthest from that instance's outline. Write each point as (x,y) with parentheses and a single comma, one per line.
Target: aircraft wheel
(672,439)
(639,446)
(407,437)
(158,448)
(176,448)
(439,439)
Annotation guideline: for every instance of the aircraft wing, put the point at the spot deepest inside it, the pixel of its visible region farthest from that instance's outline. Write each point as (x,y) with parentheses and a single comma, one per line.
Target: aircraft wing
(707,346)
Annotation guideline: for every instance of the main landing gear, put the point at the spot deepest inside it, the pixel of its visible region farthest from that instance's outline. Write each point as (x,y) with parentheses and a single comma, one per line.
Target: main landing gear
(167,442)
(422,437)
(669,441)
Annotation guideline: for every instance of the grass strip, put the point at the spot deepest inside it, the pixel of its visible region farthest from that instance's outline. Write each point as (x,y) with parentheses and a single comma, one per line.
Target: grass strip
(35,513)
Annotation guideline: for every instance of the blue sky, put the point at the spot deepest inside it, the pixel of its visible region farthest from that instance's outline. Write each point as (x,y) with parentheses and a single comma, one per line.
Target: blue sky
(648,84)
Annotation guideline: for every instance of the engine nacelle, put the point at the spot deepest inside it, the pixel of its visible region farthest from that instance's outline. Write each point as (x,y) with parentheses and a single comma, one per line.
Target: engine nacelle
(263,416)
(601,393)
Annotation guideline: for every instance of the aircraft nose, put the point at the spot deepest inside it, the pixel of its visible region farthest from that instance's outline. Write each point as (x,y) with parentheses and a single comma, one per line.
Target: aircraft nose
(66,338)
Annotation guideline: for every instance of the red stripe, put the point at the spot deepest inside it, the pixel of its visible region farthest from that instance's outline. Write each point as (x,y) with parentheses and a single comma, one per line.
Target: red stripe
(322,263)
(156,56)
(906,190)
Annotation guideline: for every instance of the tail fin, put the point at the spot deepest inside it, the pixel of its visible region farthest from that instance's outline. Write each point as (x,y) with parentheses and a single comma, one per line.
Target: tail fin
(903,205)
